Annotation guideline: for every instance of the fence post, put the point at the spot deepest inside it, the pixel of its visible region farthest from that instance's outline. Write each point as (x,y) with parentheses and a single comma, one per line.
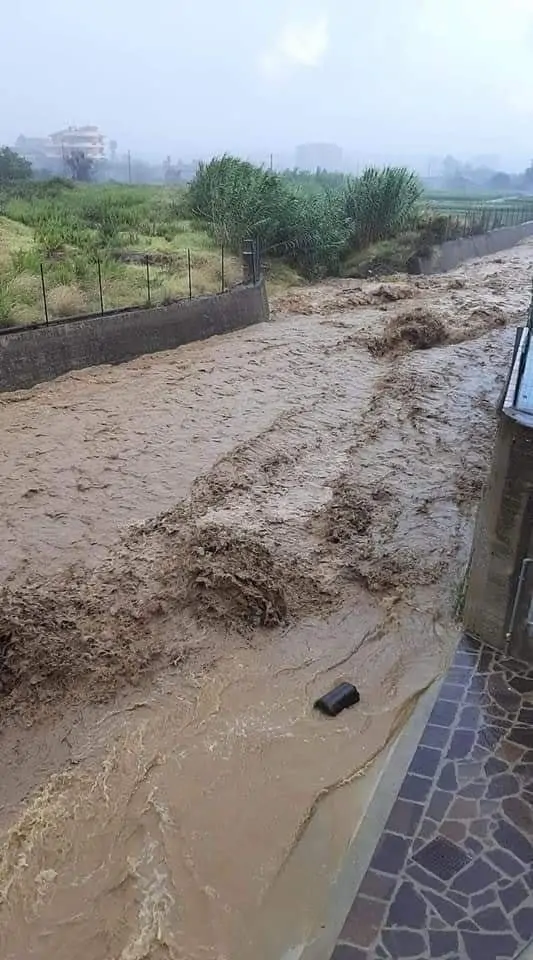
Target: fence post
(100,286)
(148,281)
(190,273)
(44,296)
(248,268)
(222,277)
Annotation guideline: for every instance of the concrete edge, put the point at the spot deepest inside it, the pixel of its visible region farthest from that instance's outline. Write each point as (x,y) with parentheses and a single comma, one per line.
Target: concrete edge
(452,253)
(37,354)
(508,391)
(389,772)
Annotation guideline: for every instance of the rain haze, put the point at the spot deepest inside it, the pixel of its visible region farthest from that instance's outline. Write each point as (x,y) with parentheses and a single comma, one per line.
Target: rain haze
(392,80)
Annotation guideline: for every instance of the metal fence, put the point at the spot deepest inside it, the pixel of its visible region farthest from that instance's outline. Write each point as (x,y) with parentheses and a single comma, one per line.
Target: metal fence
(105,287)
(157,279)
(468,220)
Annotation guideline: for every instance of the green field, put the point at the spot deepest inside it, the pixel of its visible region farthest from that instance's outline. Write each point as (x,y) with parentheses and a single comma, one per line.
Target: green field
(510,207)
(70,231)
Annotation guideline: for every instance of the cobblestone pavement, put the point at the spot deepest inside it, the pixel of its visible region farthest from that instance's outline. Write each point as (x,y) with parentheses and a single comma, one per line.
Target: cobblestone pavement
(452,875)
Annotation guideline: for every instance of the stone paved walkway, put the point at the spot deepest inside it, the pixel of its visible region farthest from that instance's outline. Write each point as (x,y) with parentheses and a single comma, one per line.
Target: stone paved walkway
(452,875)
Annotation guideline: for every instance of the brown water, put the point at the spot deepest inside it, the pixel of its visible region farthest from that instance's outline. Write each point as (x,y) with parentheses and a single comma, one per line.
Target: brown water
(325,493)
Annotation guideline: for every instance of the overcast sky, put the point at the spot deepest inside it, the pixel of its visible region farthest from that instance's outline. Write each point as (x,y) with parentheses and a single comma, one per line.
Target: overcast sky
(185,77)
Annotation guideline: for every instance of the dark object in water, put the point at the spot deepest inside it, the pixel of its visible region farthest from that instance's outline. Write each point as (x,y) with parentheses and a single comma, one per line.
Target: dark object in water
(342,696)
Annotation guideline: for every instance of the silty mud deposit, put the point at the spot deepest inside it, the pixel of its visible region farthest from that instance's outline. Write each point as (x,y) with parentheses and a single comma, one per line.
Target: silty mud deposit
(197,546)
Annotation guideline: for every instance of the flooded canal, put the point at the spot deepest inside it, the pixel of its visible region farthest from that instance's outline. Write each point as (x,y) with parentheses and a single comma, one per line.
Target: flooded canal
(198,544)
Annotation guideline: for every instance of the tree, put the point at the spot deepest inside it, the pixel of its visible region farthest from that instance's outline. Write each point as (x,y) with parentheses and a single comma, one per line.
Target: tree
(500,181)
(79,165)
(528,176)
(450,167)
(13,166)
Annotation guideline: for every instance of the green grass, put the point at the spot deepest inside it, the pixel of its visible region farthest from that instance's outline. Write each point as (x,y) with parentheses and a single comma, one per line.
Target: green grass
(69,229)
(13,236)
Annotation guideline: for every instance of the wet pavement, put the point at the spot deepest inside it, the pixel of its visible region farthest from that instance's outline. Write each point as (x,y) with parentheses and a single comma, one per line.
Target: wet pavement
(452,875)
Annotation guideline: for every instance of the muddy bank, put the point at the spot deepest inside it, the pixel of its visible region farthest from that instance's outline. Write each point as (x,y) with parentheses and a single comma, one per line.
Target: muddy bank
(326,540)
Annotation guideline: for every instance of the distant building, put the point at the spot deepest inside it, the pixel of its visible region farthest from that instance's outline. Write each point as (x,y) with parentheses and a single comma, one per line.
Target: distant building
(47,152)
(327,156)
(87,140)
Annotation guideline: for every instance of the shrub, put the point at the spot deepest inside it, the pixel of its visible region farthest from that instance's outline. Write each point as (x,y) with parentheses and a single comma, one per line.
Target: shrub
(380,204)
(314,236)
(13,167)
(237,201)
(310,226)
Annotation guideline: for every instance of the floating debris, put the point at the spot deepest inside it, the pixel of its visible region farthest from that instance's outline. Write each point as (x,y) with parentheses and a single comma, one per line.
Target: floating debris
(342,696)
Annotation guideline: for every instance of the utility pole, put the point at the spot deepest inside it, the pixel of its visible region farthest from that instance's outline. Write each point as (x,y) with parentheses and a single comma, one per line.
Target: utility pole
(129,166)
(271,161)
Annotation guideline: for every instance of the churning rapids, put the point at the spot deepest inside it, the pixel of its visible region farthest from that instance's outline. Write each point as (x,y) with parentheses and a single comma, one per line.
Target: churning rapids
(195,546)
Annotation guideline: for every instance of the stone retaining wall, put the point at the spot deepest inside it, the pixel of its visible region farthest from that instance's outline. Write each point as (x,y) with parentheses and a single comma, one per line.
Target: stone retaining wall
(453,253)
(30,355)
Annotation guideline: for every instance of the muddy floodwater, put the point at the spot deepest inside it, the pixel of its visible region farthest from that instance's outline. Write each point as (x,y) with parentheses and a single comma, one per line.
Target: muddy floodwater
(196,545)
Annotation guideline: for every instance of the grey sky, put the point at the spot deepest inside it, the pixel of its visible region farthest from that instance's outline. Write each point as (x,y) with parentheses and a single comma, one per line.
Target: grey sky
(394,77)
